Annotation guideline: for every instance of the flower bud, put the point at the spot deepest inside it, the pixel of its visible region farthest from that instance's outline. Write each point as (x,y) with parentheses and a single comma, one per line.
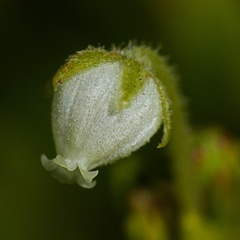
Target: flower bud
(106,105)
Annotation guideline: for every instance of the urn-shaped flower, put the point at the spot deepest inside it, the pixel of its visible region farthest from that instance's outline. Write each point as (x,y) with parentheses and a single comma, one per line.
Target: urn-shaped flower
(106,105)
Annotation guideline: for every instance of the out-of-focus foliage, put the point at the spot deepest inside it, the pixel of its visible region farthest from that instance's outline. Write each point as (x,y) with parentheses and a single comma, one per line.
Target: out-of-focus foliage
(201,38)
(216,167)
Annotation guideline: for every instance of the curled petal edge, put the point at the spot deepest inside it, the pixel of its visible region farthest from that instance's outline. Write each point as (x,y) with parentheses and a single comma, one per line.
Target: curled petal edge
(65,172)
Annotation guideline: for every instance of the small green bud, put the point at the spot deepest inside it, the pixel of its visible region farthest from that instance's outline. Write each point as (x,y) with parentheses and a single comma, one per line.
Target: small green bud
(106,105)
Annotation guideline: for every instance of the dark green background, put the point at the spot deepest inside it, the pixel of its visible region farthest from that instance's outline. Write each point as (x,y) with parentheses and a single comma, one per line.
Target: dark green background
(202,40)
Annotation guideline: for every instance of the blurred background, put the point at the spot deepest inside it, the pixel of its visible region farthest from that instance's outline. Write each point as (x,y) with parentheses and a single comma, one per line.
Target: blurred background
(132,199)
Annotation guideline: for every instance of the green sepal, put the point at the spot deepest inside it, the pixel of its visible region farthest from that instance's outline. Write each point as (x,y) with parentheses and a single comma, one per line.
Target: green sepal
(156,67)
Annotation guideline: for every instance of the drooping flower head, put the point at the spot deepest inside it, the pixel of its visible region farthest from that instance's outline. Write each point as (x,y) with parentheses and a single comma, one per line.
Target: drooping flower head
(106,105)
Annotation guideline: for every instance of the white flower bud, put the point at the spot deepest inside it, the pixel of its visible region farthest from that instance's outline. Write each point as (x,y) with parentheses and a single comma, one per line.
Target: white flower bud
(106,105)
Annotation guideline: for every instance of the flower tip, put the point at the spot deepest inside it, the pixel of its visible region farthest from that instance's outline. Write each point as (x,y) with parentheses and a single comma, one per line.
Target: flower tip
(69,174)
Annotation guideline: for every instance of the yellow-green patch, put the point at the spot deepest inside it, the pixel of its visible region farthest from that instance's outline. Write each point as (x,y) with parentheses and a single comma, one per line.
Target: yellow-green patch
(133,76)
